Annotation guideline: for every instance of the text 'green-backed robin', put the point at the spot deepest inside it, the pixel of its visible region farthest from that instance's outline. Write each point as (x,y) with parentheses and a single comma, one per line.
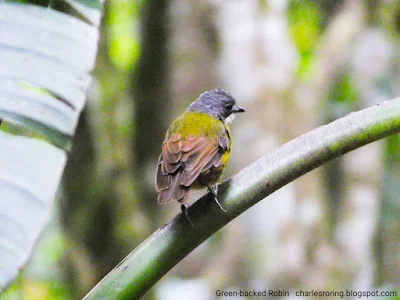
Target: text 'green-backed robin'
(196,148)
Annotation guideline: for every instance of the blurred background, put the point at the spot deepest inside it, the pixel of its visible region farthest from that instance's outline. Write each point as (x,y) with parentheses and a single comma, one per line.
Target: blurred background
(294,65)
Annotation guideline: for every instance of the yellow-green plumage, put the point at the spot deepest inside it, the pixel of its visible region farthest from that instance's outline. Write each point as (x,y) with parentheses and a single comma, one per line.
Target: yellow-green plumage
(200,124)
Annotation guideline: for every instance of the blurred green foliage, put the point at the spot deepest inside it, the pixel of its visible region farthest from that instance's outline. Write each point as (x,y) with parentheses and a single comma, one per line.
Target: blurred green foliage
(42,280)
(122,31)
(344,91)
(305,26)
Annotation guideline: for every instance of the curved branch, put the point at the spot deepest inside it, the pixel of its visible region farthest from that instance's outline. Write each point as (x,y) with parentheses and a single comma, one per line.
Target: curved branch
(143,267)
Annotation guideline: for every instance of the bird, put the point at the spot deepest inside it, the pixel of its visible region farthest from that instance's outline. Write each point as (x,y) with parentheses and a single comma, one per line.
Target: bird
(196,149)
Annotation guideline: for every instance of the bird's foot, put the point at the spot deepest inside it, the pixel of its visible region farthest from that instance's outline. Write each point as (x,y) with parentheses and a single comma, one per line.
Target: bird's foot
(214,191)
(184,207)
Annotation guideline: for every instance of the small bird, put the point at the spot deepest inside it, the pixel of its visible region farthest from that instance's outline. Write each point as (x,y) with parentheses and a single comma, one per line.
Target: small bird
(196,148)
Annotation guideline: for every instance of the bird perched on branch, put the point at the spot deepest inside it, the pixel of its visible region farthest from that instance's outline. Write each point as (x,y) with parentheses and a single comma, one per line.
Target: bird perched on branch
(196,148)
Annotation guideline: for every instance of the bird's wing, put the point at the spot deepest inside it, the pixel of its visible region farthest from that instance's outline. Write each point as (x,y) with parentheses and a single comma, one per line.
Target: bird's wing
(182,161)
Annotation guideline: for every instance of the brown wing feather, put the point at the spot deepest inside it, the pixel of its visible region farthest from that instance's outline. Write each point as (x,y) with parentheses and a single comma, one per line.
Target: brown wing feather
(171,153)
(163,180)
(195,167)
(174,192)
(181,162)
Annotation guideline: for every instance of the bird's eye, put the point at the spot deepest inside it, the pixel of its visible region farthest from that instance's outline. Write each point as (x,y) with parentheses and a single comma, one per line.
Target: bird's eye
(229,106)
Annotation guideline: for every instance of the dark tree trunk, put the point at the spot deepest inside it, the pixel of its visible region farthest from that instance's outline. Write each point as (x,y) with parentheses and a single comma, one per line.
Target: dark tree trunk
(152,99)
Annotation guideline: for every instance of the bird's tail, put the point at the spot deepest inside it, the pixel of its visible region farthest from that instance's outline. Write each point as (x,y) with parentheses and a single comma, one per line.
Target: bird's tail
(174,190)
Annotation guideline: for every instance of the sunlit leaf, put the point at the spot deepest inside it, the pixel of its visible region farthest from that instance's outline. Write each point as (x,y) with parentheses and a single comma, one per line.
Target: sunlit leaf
(29,176)
(47,48)
(45,59)
(55,119)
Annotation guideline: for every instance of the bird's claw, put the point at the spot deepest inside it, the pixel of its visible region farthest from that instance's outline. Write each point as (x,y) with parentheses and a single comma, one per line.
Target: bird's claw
(214,191)
(184,207)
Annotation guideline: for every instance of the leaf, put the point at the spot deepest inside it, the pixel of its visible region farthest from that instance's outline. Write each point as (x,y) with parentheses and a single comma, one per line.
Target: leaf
(47,48)
(30,173)
(40,111)
(45,59)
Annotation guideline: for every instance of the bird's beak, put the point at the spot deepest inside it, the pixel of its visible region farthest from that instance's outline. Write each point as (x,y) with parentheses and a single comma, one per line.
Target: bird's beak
(237,109)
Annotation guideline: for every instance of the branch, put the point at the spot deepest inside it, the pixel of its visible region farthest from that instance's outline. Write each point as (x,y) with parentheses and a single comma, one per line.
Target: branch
(143,267)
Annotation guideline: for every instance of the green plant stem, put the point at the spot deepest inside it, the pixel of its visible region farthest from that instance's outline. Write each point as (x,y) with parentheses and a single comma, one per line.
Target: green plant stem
(143,267)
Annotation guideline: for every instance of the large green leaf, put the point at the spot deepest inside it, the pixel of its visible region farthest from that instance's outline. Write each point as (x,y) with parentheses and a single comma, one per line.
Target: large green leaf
(50,50)
(45,60)
(29,176)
